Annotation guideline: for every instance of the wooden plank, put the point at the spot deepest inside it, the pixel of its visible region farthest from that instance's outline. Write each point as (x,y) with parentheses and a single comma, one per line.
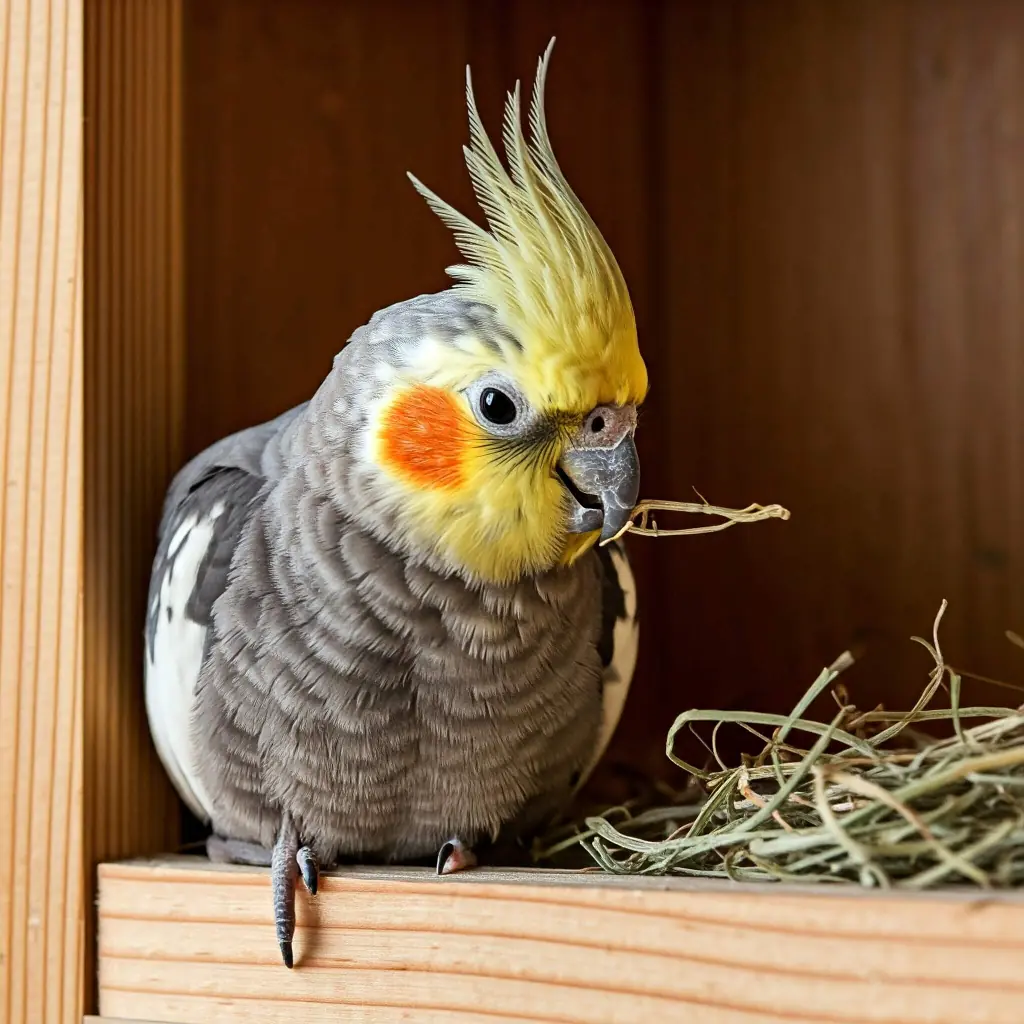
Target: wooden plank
(41,896)
(134,402)
(185,940)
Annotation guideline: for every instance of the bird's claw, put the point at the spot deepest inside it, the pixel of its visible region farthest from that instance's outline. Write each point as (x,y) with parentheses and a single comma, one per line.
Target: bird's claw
(455,856)
(309,868)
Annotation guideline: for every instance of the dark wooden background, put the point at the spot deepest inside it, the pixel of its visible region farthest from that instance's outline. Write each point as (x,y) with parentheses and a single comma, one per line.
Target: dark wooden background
(819,207)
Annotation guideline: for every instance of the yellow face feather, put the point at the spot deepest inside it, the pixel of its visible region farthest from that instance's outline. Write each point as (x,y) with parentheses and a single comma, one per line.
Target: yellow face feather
(496,516)
(571,345)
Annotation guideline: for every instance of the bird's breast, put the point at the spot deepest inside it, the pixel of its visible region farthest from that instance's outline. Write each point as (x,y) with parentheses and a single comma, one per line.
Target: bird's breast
(387,707)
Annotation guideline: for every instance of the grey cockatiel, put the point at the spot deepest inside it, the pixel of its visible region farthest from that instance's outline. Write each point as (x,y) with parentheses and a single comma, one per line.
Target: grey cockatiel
(380,626)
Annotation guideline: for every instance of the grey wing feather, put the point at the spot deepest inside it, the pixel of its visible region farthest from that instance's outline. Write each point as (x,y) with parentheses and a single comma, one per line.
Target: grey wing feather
(250,450)
(206,509)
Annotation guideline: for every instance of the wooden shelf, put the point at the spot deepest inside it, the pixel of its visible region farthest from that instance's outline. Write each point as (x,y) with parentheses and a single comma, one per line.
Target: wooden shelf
(186,941)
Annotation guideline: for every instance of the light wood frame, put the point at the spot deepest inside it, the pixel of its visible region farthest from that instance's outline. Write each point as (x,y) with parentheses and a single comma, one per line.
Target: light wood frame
(91,370)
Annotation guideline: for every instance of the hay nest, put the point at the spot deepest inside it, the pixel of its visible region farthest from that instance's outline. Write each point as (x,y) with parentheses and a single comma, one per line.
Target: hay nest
(867,799)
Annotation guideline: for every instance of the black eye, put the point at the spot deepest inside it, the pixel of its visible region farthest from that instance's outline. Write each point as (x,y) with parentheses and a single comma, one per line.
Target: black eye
(497,407)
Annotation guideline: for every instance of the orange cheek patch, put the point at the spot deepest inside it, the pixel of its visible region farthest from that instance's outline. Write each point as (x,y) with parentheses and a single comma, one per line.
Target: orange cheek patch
(424,437)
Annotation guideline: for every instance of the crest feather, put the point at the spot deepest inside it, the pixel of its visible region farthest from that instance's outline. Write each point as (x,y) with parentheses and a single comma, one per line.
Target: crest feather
(542,265)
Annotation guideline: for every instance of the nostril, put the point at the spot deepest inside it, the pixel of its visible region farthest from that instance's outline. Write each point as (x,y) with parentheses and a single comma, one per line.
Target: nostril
(597,424)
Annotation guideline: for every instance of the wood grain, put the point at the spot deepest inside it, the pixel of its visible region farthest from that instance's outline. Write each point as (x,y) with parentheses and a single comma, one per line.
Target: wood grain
(185,941)
(303,118)
(841,285)
(134,406)
(41,894)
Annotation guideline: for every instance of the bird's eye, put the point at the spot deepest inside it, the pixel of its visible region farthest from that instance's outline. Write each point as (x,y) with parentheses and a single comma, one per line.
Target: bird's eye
(497,407)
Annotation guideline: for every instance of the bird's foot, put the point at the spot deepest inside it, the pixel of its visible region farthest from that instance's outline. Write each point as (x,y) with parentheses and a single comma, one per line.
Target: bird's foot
(455,856)
(286,861)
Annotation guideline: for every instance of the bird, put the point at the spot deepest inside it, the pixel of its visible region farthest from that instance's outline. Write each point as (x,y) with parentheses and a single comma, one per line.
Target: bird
(398,623)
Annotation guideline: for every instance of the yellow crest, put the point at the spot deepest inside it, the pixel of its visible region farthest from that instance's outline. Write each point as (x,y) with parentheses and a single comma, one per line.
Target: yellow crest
(544,266)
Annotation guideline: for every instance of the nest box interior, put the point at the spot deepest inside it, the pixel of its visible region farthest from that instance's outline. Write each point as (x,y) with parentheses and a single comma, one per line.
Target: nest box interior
(818,207)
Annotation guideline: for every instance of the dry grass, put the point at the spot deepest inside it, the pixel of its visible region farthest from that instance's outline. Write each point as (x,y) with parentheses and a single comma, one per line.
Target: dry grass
(867,799)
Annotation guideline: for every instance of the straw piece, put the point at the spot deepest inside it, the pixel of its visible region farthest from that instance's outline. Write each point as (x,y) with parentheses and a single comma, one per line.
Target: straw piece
(642,521)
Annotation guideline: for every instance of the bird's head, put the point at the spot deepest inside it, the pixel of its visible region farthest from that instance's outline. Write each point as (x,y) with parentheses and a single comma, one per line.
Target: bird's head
(502,421)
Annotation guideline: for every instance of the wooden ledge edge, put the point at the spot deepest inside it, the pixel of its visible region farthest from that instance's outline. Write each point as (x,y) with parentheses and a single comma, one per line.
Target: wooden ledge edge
(194,867)
(183,940)
(92,1019)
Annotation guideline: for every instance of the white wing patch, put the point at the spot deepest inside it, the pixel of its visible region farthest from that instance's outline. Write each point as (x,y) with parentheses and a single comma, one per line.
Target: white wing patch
(175,656)
(619,674)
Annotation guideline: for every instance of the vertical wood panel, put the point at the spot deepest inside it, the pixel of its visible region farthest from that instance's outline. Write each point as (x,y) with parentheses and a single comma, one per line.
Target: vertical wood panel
(303,119)
(41,895)
(842,287)
(991,149)
(134,383)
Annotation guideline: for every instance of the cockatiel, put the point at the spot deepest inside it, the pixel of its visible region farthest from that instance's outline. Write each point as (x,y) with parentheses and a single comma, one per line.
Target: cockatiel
(380,626)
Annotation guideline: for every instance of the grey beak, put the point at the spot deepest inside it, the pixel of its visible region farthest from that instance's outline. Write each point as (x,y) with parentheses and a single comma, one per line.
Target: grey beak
(603,484)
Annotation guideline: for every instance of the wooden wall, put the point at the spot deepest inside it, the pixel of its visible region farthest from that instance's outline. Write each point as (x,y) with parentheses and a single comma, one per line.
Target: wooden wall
(820,209)
(134,378)
(841,293)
